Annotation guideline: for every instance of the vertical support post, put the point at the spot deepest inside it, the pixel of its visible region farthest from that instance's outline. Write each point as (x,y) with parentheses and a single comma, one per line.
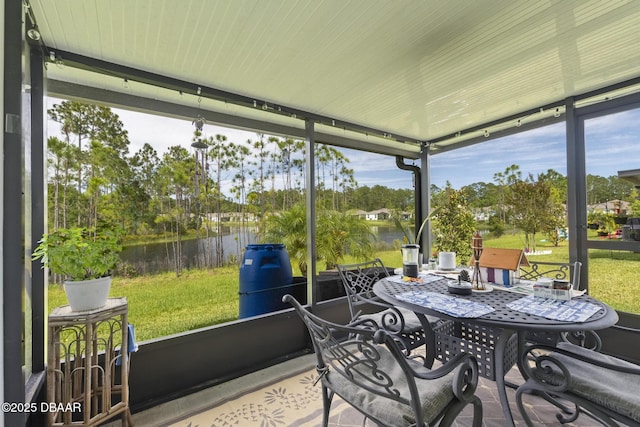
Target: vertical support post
(13,239)
(311,211)
(425,178)
(38,206)
(576,190)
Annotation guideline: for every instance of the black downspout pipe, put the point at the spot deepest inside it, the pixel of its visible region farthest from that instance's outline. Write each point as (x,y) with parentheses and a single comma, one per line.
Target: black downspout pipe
(418,190)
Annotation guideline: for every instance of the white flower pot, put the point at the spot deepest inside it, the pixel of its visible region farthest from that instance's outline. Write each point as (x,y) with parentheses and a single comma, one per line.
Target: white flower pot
(89,294)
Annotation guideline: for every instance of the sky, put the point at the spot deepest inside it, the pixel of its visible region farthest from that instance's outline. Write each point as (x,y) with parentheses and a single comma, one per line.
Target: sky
(612,143)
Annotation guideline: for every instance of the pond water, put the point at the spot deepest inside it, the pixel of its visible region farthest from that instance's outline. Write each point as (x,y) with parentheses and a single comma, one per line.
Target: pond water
(153,258)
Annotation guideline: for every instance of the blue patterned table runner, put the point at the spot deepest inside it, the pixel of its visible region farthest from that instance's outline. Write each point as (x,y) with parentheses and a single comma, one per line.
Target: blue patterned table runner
(568,311)
(450,305)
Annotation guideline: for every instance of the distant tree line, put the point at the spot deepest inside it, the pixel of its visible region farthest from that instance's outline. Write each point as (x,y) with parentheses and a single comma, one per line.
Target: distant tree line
(599,189)
(95,182)
(94,179)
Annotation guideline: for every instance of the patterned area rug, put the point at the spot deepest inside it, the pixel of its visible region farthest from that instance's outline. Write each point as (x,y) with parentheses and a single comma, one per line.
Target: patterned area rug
(292,401)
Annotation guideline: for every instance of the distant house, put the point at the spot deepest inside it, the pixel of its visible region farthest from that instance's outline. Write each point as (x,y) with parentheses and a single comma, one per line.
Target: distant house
(610,206)
(483,214)
(359,213)
(230,217)
(406,216)
(379,214)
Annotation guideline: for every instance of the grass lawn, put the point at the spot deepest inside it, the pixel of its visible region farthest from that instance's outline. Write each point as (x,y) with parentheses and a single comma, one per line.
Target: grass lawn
(164,304)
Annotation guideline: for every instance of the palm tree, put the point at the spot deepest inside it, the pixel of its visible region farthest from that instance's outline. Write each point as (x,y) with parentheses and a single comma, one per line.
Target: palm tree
(339,235)
(289,228)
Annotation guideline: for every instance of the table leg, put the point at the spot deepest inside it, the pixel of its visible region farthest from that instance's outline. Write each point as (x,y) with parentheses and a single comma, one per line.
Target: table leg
(429,340)
(522,348)
(500,374)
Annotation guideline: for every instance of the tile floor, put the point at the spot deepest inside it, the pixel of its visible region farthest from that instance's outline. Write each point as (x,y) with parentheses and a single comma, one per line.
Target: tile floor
(541,412)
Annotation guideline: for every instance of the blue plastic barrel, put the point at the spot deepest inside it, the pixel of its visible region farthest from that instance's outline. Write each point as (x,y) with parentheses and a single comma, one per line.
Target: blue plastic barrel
(265,276)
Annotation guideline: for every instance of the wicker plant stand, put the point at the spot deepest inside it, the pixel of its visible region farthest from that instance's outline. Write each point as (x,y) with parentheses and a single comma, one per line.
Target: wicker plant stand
(88,366)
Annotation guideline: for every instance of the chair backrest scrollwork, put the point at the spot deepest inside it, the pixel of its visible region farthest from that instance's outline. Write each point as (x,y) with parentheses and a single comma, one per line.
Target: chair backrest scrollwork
(354,352)
(554,270)
(364,365)
(358,280)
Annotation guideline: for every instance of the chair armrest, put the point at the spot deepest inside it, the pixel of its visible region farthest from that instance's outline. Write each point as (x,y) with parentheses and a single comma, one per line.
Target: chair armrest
(553,366)
(464,366)
(458,360)
(392,319)
(465,379)
(371,300)
(586,339)
(363,323)
(597,359)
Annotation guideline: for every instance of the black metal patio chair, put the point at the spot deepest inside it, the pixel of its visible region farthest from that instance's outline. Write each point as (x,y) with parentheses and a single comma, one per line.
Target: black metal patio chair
(579,381)
(555,270)
(560,271)
(364,365)
(358,280)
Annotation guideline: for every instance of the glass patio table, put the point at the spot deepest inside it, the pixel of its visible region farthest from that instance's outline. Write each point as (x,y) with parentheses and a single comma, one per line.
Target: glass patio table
(499,316)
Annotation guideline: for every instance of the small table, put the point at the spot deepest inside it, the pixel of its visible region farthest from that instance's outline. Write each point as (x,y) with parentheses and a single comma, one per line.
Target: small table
(88,365)
(508,321)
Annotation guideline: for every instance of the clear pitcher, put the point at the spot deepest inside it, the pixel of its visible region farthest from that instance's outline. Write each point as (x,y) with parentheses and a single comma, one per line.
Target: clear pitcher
(410,266)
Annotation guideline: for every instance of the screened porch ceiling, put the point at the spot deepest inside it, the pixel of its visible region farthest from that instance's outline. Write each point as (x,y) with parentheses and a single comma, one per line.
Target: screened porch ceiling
(388,74)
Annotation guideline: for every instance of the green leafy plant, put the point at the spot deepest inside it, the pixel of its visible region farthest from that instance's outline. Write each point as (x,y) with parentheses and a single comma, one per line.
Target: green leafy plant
(79,253)
(342,235)
(604,220)
(454,224)
(411,239)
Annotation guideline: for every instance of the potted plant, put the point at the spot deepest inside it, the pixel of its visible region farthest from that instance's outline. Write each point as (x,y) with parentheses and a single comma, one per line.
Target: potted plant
(605,222)
(411,239)
(85,259)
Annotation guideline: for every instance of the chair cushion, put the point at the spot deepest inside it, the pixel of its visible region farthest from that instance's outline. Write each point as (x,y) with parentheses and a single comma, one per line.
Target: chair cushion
(411,321)
(616,391)
(435,395)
